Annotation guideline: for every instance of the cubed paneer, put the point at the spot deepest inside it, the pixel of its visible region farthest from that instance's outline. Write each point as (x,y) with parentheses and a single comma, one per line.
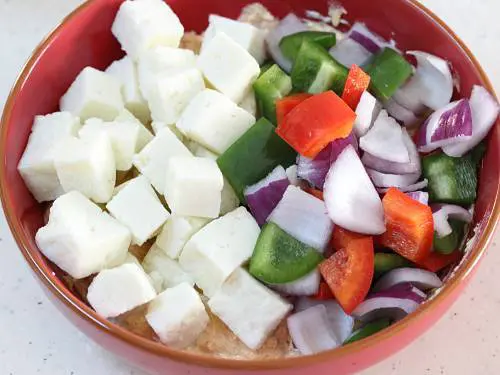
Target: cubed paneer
(200,151)
(163,270)
(248,308)
(122,135)
(172,92)
(214,121)
(37,163)
(80,238)
(144,137)
(228,67)
(177,231)
(249,103)
(125,71)
(93,94)
(144,24)
(118,290)
(220,247)
(178,316)
(87,165)
(193,186)
(152,161)
(246,35)
(138,208)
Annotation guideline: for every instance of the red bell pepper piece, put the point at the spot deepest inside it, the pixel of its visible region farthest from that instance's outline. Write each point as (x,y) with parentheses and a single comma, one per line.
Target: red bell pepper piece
(357,82)
(436,262)
(315,122)
(284,106)
(342,237)
(324,292)
(409,226)
(315,192)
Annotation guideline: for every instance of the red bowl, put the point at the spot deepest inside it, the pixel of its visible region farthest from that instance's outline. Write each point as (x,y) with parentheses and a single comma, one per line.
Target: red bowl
(84,38)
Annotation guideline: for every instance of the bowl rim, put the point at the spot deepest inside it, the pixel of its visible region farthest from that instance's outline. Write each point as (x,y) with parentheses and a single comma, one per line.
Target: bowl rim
(55,286)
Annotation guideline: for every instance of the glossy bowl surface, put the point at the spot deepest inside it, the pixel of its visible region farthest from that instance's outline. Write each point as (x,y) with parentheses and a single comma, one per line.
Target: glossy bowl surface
(84,38)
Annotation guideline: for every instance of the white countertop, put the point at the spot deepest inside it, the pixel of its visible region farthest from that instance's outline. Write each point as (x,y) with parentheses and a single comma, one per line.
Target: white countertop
(36,339)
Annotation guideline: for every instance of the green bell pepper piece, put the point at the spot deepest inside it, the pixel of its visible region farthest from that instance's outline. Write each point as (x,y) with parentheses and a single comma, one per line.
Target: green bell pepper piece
(254,155)
(388,71)
(385,262)
(451,242)
(290,44)
(265,66)
(279,258)
(368,330)
(315,70)
(272,85)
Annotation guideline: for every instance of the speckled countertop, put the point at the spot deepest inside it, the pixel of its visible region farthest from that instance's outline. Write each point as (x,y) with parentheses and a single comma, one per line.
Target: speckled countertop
(36,339)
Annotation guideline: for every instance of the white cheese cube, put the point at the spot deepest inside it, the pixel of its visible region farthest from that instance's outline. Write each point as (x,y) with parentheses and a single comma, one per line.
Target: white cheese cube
(93,94)
(88,166)
(118,290)
(80,238)
(152,161)
(171,93)
(214,121)
(220,247)
(248,308)
(177,231)
(178,316)
(137,207)
(37,163)
(163,270)
(193,186)
(144,24)
(249,103)
(144,137)
(122,135)
(228,67)
(200,151)
(125,71)
(246,35)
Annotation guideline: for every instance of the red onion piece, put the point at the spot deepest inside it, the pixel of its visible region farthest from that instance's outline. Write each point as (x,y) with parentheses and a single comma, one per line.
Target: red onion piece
(366,42)
(384,307)
(400,112)
(368,39)
(403,290)
(409,96)
(419,196)
(307,285)
(417,186)
(367,111)
(349,52)
(386,180)
(350,197)
(441,215)
(422,279)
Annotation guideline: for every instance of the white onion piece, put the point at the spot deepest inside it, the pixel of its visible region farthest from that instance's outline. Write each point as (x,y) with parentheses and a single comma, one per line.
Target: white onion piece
(422,279)
(350,197)
(384,307)
(419,185)
(372,42)
(400,113)
(291,24)
(385,140)
(419,196)
(484,109)
(310,331)
(349,52)
(307,285)
(291,173)
(304,217)
(367,111)
(392,180)
(409,96)
(445,212)
(341,323)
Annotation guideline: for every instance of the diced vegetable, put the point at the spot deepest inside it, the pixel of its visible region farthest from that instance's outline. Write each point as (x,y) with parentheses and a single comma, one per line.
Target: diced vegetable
(356,84)
(349,52)
(409,226)
(314,192)
(387,180)
(279,258)
(436,261)
(367,112)
(253,156)
(305,286)
(400,113)
(422,279)
(450,242)
(410,188)
(324,292)
(290,44)
(385,262)
(368,330)
(367,38)
(286,105)
(317,121)
(401,290)
(385,307)
(441,215)
(419,196)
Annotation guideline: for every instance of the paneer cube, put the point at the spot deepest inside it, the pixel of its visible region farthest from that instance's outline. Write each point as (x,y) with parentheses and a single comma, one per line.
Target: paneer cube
(193,186)
(122,135)
(248,308)
(249,103)
(200,151)
(178,316)
(246,35)
(177,231)
(138,208)
(118,290)
(93,94)
(144,137)
(125,71)
(214,121)
(228,67)
(220,247)
(164,271)
(80,238)
(37,163)
(87,165)
(152,161)
(144,24)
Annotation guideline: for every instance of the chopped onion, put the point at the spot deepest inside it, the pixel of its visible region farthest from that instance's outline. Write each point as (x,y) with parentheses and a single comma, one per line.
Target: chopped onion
(441,215)
(310,331)
(410,188)
(419,196)
(263,196)
(403,290)
(314,170)
(422,279)
(304,217)
(349,52)
(368,39)
(392,180)
(291,24)
(484,109)
(400,113)
(341,323)
(291,173)
(367,111)
(307,285)
(384,307)
(409,96)
(350,197)
(385,140)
